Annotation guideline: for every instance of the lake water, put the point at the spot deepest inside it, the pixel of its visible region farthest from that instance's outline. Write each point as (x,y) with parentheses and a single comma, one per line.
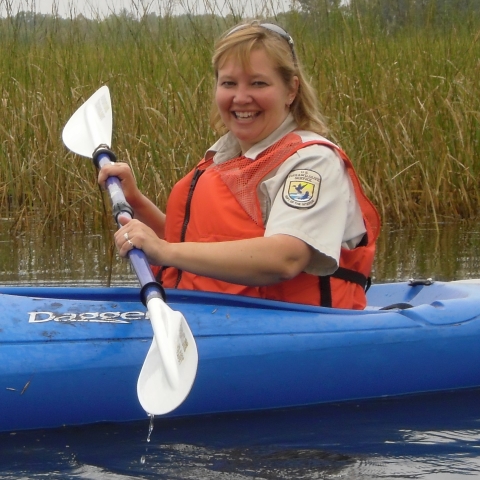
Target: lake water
(434,437)
(57,255)
(420,437)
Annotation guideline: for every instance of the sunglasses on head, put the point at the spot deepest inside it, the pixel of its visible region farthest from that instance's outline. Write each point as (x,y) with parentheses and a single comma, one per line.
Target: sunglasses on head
(272,28)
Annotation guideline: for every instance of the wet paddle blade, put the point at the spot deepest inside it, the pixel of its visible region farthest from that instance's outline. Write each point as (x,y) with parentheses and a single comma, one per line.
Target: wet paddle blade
(91,125)
(170,367)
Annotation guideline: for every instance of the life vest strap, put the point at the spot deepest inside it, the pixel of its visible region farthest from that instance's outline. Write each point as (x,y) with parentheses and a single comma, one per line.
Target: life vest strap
(351,276)
(342,274)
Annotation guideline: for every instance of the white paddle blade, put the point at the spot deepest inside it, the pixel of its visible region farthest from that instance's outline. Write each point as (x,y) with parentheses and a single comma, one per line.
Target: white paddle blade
(91,125)
(170,367)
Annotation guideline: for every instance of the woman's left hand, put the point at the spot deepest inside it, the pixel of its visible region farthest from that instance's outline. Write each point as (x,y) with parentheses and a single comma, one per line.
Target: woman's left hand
(135,234)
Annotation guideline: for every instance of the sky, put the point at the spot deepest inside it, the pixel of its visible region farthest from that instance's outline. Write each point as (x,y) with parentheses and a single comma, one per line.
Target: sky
(95,8)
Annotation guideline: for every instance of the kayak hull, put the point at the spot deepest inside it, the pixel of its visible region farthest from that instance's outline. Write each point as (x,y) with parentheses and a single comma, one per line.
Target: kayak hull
(72,356)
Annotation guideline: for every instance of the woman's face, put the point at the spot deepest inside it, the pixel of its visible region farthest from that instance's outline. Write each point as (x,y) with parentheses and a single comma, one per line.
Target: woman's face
(253,103)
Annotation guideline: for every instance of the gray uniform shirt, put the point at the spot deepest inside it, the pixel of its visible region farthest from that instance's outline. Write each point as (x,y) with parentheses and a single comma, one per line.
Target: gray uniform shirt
(309,196)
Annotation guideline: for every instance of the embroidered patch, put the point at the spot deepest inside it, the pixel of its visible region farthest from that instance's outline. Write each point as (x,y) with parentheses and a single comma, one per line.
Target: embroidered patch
(302,188)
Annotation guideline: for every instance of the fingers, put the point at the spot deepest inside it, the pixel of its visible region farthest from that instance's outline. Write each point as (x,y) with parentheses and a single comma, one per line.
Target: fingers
(119,169)
(126,246)
(124,173)
(128,240)
(123,220)
(135,234)
(131,235)
(124,241)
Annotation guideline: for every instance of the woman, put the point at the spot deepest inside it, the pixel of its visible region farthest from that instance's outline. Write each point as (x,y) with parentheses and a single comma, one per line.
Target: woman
(274,210)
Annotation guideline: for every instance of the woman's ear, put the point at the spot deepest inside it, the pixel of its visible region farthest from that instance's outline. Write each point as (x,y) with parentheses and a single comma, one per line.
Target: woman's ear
(294,90)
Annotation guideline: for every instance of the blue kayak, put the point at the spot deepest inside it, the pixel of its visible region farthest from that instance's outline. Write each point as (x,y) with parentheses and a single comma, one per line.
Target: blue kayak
(72,356)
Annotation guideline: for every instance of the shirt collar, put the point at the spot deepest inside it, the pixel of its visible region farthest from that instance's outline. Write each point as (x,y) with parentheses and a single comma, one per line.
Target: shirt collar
(227,147)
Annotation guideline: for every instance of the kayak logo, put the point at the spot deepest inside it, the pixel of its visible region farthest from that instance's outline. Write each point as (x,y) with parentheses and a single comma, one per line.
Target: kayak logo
(94,317)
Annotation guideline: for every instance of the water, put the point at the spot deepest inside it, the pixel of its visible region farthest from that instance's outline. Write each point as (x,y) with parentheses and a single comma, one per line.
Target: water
(40,255)
(421,437)
(61,256)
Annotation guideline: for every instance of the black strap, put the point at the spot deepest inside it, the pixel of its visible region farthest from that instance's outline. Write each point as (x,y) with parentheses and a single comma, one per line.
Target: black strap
(325,291)
(342,274)
(186,219)
(351,276)
(159,275)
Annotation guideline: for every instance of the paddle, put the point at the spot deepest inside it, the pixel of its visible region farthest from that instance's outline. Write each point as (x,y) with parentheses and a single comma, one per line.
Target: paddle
(170,367)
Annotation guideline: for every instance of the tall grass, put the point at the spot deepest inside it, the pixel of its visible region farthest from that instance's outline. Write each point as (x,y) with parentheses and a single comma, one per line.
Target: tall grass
(403,102)
(406,107)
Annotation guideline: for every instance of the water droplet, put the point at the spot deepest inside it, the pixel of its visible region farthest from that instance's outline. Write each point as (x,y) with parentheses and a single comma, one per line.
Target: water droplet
(150,427)
(142,459)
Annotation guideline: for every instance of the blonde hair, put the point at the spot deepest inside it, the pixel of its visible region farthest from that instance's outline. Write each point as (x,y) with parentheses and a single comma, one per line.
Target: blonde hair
(239,43)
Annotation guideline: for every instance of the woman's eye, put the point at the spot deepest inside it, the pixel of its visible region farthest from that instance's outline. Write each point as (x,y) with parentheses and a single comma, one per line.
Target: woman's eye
(227,83)
(259,83)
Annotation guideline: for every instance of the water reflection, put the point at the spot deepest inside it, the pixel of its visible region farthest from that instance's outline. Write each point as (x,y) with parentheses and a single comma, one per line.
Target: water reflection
(434,436)
(58,255)
(449,252)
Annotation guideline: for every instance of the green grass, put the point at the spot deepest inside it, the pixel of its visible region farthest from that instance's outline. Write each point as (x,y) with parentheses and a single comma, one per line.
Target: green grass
(403,101)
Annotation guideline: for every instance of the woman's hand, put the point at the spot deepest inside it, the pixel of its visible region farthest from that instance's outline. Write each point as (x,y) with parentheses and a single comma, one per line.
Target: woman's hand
(144,210)
(124,173)
(135,234)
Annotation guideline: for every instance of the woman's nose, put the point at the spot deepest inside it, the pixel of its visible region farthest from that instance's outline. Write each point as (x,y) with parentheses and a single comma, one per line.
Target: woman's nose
(242,95)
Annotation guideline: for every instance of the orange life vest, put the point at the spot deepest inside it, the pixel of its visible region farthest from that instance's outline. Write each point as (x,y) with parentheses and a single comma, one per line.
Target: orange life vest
(216,203)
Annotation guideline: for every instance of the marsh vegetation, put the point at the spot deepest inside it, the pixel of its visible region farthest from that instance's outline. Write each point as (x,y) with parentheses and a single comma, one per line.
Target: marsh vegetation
(400,91)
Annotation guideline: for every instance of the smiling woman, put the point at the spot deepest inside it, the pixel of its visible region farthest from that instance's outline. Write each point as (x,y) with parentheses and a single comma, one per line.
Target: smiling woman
(253,103)
(274,209)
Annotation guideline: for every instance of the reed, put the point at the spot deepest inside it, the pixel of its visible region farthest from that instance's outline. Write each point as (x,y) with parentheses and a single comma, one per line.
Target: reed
(406,107)
(403,102)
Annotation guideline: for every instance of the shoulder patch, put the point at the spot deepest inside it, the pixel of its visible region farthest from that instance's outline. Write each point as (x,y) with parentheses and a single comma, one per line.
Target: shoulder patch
(301,188)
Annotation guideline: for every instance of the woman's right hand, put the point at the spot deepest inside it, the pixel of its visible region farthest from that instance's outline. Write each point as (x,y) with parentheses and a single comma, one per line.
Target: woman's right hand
(144,210)
(124,173)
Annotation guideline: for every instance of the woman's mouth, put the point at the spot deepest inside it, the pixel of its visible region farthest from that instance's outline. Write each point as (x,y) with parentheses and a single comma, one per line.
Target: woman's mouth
(245,115)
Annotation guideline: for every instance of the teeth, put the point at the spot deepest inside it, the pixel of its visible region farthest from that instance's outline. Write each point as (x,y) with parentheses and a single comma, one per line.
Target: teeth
(244,114)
